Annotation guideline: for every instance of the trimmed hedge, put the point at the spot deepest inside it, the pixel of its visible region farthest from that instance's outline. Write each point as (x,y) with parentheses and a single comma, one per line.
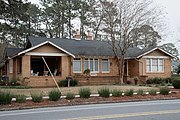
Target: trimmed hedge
(176,84)
(64,83)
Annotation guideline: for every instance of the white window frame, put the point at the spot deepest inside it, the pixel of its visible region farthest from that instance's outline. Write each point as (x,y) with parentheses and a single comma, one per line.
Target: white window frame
(108,66)
(89,66)
(80,65)
(158,64)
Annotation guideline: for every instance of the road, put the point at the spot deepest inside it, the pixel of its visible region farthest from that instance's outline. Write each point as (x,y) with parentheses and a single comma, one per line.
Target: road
(147,110)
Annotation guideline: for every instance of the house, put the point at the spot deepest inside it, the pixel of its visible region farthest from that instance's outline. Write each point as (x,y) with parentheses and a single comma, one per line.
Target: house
(70,57)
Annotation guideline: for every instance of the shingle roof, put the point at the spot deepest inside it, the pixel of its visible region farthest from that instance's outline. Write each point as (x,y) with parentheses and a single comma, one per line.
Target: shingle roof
(10,52)
(82,47)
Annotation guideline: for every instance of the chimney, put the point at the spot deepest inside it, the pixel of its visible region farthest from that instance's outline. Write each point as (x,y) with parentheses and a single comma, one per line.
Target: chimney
(89,35)
(77,35)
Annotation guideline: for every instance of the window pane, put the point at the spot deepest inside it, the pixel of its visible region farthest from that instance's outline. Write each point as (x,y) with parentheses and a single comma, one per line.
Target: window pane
(96,65)
(86,66)
(161,65)
(105,65)
(154,65)
(148,65)
(77,66)
(91,65)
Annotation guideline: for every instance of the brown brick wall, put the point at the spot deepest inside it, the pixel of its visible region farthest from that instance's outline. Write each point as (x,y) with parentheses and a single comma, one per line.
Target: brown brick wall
(97,80)
(165,74)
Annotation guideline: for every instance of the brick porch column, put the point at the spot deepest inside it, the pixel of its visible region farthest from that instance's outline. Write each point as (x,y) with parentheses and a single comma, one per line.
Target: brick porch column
(26,66)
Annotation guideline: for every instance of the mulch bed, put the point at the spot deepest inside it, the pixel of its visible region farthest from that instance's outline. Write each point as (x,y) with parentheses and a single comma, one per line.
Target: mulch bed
(92,100)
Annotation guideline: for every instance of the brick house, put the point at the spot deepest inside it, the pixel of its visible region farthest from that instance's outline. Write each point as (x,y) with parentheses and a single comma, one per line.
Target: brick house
(70,57)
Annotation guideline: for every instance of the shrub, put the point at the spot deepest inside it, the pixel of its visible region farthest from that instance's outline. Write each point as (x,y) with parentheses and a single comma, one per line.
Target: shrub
(84,92)
(20,98)
(70,96)
(128,82)
(140,92)
(104,92)
(14,82)
(5,98)
(116,93)
(64,83)
(152,92)
(37,97)
(164,90)
(129,92)
(176,84)
(54,95)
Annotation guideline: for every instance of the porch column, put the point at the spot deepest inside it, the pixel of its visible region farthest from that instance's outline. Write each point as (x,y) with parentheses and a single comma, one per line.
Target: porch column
(26,66)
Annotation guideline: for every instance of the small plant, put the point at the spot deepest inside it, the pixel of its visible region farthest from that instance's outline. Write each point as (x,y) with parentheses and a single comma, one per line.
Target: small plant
(84,92)
(116,93)
(176,84)
(129,92)
(104,92)
(20,98)
(70,96)
(54,95)
(136,80)
(164,90)
(87,72)
(37,97)
(152,92)
(5,98)
(140,92)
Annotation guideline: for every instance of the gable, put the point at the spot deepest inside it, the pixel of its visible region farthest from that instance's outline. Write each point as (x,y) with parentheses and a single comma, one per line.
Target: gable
(47,48)
(157,52)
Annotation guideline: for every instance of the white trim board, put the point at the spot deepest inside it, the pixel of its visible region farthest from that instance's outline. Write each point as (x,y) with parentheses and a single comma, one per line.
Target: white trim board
(45,54)
(163,57)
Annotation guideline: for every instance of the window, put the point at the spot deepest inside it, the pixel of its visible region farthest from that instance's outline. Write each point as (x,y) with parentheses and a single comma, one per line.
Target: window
(11,66)
(92,64)
(77,65)
(19,65)
(105,65)
(155,65)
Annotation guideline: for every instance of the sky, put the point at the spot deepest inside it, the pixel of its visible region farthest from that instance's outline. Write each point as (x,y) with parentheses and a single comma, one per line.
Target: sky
(171,8)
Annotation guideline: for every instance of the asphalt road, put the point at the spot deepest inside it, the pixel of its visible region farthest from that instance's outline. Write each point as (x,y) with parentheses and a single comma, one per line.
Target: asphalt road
(148,110)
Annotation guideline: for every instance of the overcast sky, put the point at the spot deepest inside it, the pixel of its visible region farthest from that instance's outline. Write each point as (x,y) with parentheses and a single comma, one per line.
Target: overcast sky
(171,8)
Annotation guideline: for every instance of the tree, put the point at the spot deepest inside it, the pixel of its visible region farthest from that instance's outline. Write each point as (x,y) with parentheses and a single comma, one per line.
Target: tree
(145,36)
(178,69)
(120,18)
(169,47)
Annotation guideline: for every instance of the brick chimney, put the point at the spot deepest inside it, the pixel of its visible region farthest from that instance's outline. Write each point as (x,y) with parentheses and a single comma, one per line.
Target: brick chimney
(89,35)
(77,35)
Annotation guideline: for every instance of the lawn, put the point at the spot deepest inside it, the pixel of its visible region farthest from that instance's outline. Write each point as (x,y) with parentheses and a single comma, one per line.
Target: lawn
(75,90)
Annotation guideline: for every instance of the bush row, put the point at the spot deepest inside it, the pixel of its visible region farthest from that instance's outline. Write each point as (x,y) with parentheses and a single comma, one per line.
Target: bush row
(54,95)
